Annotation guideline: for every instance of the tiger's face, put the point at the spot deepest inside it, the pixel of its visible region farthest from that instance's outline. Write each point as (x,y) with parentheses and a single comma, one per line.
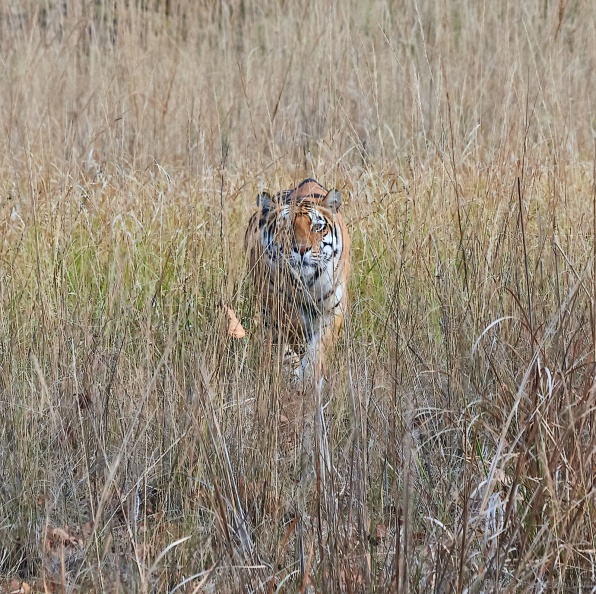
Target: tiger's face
(301,234)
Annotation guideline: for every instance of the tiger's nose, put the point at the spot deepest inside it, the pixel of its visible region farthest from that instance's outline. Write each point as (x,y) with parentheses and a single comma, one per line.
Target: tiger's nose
(302,249)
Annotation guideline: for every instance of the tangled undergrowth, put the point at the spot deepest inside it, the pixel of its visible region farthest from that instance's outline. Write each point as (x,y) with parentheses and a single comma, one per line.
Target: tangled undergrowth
(144,449)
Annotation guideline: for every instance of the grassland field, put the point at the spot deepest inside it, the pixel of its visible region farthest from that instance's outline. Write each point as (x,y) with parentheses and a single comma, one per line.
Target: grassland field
(452,445)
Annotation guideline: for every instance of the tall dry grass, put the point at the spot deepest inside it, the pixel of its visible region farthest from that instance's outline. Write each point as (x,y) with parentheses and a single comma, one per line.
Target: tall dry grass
(452,445)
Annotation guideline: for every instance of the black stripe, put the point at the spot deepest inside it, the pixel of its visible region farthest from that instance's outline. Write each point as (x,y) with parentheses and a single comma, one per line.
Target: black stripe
(337,304)
(309,180)
(328,294)
(315,277)
(284,196)
(336,237)
(335,251)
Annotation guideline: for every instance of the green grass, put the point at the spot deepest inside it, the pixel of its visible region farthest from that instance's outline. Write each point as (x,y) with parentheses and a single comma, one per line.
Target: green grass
(451,447)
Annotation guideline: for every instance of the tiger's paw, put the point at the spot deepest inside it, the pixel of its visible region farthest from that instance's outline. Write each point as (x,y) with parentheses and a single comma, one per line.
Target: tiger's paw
(290,357)
(303,375)
(311,368)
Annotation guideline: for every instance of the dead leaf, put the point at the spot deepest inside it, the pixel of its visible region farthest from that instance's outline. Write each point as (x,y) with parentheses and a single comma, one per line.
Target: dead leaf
(380,532)
(59,535)
(84,399)
(19,587)
(235,329)
(87,529)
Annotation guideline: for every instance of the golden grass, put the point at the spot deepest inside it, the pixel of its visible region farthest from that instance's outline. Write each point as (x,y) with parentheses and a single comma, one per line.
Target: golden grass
(452,445)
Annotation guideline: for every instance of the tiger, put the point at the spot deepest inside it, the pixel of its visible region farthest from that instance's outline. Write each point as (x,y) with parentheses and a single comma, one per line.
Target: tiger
(299,256)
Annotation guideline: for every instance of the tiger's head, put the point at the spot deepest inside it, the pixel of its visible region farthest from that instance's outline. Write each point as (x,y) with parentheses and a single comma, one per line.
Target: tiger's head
(299,229)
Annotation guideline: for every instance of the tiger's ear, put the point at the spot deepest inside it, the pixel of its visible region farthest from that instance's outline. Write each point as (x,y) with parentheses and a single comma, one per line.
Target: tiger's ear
(332,200)
(264,201)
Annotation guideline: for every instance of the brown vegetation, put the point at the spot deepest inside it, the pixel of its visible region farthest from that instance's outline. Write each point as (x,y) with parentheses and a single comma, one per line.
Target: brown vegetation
(144,449)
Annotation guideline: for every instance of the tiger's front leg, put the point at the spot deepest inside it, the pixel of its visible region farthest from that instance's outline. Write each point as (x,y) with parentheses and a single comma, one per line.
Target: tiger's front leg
(313,364)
